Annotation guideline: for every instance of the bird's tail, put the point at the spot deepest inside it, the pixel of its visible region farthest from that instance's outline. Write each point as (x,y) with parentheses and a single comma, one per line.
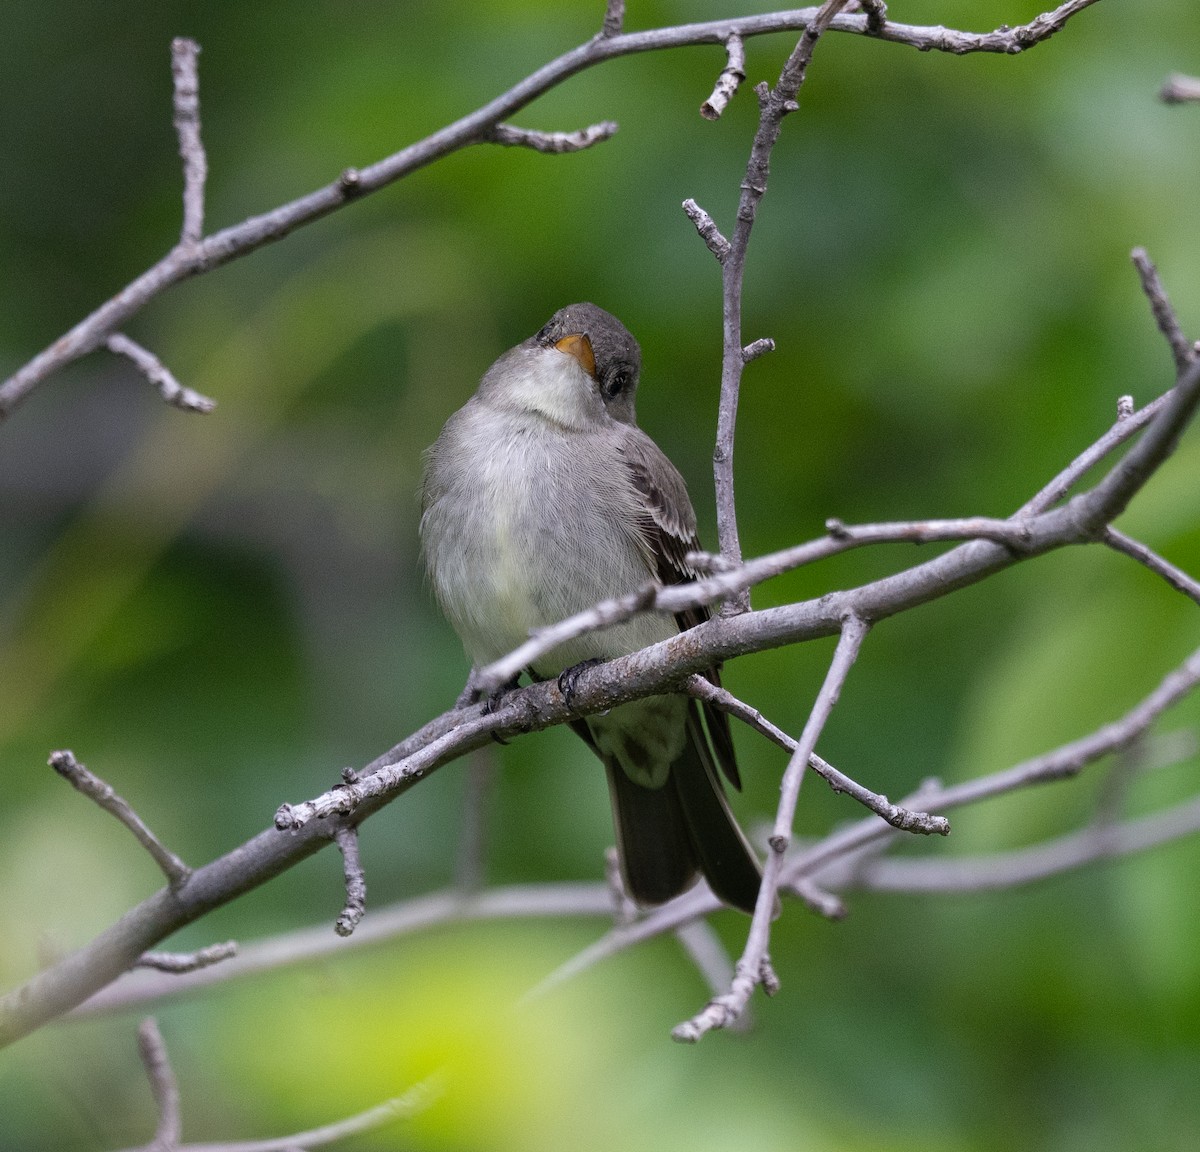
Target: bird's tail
(667,836)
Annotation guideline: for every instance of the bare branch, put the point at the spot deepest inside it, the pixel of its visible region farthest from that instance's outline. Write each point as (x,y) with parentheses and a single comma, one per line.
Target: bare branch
(187,126)
(1021,536)
(180,962)
(614,18)
(346,838)
(1176,577)
(902,818)
(411,1103)
(1110,497)
(757,348)
(163,1086)
(729,81)
(1101,841)
(65,764)
(1164,315)
(1128,423)
(159,375)
(754,965)
(1013,533)
(659,668)
(406,918)
(190,259)
(1060,763)
(553,142)
(709,232)
(1180,89)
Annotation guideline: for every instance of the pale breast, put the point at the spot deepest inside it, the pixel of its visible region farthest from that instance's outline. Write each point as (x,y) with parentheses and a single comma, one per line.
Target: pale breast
(525,523)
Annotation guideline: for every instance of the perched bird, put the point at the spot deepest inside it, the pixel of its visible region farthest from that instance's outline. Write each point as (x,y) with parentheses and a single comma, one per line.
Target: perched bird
(542,497)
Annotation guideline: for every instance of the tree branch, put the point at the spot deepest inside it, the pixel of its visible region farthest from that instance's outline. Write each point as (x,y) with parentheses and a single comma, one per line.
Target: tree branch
(178,962)
(1164,314)
(159,375)
(346,839)
(553,142)
(729,81)
(163,1086)
(186,78)
(193,257)
(1176,577)
(754,968)
(65,764)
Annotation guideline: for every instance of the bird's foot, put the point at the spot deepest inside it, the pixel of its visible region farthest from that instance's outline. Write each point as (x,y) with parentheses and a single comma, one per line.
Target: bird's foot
(568,678)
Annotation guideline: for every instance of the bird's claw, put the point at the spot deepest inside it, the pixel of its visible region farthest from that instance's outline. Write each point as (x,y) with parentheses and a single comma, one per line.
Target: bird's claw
(568,678)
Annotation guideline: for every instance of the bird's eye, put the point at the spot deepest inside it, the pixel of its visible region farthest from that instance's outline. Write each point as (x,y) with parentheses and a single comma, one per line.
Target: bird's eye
(544,337)
(615,384)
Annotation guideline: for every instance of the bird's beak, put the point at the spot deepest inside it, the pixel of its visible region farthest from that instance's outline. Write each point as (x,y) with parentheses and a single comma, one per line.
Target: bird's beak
(579,346)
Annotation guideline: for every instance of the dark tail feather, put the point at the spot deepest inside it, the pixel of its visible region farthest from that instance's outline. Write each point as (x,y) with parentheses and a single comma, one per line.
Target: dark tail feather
(657,859)
(667,836)
(722,851)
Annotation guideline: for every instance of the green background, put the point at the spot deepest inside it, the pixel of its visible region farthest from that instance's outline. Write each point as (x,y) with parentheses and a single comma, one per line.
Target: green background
(218,613)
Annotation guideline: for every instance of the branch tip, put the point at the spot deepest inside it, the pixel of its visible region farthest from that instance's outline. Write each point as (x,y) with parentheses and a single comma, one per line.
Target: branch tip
(153,369)
(163,1085)
(757,348)
(103,794)
(1182,349)
(728,81)
(356,881)
(178,963)
(554,143)
(614,19)
(186,79)
(709,232)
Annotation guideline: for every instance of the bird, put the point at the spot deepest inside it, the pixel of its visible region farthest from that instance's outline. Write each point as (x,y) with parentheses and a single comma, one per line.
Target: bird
(541,497)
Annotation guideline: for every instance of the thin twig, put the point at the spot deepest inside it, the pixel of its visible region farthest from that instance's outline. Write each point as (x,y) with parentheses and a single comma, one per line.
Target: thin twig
(346,839)
(1106,841)
(411,1103)
(405,918)
(159,375)
(1176,577)
(757,348)
(614,18)
(774,105)
(753,969)
(707,951)
(163,1086)
(729,81)
(1164,314)
(1061,763)
(187,127)
(1127,425)
(553,142)
(709,232)
(95,789)
(181,962)
(901,818)
(729,579)
(186,260)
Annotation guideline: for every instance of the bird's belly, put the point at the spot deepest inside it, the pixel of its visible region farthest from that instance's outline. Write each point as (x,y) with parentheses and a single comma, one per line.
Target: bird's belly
(526,543)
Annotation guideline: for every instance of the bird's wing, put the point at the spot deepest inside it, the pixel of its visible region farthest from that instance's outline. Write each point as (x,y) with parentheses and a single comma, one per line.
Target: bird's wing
(667,525)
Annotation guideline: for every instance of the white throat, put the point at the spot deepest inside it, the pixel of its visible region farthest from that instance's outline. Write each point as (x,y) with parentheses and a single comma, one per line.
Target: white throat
(555,386)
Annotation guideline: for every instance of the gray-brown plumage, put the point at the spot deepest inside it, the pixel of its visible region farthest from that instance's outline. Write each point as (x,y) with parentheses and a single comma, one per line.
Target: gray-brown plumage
(542,497)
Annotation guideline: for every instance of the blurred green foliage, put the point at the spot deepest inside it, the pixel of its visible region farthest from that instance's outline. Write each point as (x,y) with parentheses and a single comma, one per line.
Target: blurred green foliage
(217,613)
